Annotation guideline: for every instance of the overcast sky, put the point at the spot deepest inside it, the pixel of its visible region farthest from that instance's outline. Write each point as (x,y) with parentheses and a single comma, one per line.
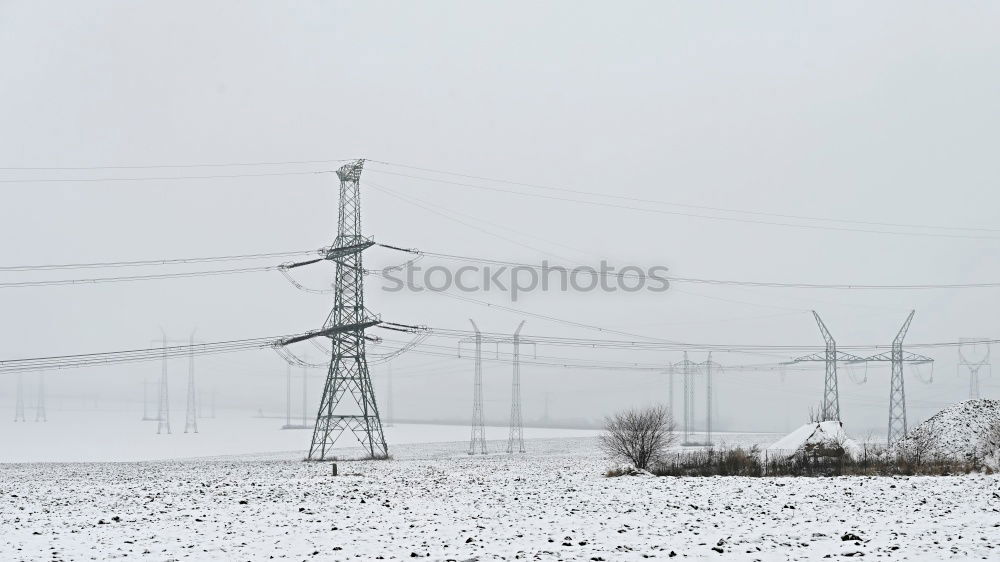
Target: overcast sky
(876,113)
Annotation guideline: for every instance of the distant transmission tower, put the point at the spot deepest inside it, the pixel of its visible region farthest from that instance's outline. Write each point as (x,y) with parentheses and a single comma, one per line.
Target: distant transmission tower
(388,395)
(478,439)
(831,392)
(709,364)
(688,370)
(40,404)
(164,412)
(191,416)
(288,395)
(345,325)
(974,355)
(19,404)
(516,422)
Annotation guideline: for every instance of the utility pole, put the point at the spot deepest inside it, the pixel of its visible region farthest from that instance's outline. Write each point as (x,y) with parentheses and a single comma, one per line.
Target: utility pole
(516,423)
(19,405)
(40,405)
(478,438)
(972,357)
(830,357)
(191,416)
(345,325)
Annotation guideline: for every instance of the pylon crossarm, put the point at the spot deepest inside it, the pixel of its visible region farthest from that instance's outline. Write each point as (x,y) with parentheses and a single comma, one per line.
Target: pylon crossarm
(821,357)
(338,252)
(329,332)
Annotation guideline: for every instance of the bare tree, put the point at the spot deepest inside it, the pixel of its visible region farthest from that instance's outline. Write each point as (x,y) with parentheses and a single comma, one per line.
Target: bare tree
(640,436)
(922,443)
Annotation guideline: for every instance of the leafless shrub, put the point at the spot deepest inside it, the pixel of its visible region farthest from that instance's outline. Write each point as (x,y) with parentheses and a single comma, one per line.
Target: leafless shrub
(816,413)
(639,436)
(920,445)
(873,460)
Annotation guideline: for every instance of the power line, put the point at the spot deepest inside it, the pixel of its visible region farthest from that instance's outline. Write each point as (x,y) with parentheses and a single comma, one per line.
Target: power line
(129,278)
(672,278)
(675,204)
(165,178)
(701,216)
(132,355)
(153,262)
(162,166)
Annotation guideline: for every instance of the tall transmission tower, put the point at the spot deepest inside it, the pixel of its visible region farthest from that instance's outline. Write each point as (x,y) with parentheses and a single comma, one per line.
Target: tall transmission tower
(897,393)
(348,373)
(191,415)
(478,438)
(516,421)
(19,404)
(974,355)
(40,415)
(670,390)
(709,364)
(830,406)
(163,416)
(688,370)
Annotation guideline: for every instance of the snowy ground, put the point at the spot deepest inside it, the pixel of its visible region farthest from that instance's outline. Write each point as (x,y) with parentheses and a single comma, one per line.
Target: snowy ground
(435,501)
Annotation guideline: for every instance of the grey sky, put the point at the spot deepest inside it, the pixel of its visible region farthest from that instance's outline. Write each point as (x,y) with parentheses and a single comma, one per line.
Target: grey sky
(871,112)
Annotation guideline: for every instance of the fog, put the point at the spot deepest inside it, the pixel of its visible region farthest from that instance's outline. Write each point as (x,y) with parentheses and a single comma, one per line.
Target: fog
(872,113)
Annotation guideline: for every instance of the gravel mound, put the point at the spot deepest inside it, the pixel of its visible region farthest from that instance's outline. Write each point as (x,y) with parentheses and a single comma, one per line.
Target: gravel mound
(961,430)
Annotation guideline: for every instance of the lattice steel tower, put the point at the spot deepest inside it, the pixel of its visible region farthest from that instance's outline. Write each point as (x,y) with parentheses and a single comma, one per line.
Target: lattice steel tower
(478,439)
(191,415)
(348,373)
(830,356)
(40,414)
(163,417)
(972,356)
(19,405)
(516,422)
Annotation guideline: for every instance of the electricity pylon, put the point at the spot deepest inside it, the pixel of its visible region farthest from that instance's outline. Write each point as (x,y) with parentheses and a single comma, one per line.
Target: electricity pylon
(516,422)
(688,370)
(163,417)
(478,438)
(19,404)
(897,393)
(388,395)
(972,357)
(830,357)
(191,415)
(288,395)
(40,404)
(708,364)
(348,373)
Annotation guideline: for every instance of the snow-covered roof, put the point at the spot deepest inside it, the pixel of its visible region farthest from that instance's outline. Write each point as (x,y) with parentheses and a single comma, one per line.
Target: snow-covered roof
(816,433)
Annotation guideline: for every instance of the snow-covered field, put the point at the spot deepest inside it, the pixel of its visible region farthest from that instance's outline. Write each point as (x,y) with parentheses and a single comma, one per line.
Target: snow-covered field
(436,502)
